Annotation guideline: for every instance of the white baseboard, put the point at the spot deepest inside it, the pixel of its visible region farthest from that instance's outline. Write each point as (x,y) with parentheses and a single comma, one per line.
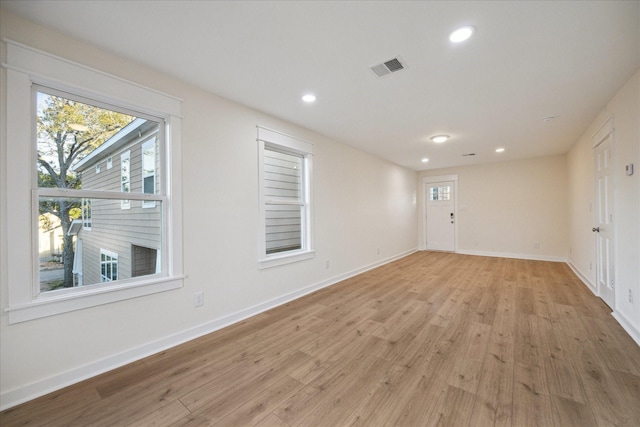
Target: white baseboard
(31,391)
(583,278)
(627,325)
(512,255)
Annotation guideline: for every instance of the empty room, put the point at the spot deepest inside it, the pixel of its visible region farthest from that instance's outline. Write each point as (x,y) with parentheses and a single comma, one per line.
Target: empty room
(319,213)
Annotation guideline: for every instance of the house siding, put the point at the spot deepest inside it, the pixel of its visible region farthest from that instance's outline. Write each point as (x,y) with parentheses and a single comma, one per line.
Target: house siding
(113,228)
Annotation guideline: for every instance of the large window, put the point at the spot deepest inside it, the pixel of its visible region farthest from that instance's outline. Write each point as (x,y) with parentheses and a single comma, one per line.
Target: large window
(73,135)
(70,119)
(285,198)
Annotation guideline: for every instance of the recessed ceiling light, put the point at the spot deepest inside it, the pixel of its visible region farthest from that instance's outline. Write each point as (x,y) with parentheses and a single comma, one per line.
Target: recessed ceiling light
(439,139)
(425,160)
(309,98)
(499,150)
(461,34)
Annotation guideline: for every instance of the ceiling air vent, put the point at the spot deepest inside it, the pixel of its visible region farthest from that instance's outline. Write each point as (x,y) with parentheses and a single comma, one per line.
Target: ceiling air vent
(468,154)
(388,67)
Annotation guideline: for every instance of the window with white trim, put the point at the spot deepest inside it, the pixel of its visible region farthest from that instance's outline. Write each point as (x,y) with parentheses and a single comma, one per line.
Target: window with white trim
(285,166)
(149,171)
(70,118)
(108,266)
(86,214)
(125,177)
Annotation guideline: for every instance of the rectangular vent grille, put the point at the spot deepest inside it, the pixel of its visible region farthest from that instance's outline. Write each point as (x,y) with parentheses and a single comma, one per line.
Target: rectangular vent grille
(394,65)
(388,67)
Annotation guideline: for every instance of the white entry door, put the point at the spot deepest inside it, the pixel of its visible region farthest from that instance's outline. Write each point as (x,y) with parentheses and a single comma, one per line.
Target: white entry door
(440,212)
(604,218)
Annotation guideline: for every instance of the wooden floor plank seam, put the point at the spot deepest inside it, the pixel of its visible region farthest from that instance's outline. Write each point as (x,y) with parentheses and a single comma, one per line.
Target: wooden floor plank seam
(434,338)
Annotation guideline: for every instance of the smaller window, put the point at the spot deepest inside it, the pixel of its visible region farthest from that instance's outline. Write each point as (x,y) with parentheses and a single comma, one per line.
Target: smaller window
(98,168)
(144,261)
(285,172)
(108,266)
(86,214)
(285,206)
(149,171)
(109,162)
(125,177)
(440,193)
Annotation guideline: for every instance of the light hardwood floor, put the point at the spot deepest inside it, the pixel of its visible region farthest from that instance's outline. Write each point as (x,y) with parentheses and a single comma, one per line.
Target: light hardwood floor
(431,339)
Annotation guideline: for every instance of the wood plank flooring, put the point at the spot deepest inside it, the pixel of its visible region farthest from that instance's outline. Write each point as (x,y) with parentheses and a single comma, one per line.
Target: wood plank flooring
(432,339)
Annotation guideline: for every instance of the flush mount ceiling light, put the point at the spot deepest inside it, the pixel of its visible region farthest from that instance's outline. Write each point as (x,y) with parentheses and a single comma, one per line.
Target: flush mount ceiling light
(499,150)
(308,98)
(425,160)
(461,34)
(439,139)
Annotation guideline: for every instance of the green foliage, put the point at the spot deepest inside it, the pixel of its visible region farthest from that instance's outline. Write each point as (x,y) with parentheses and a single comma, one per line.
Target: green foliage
(67,131)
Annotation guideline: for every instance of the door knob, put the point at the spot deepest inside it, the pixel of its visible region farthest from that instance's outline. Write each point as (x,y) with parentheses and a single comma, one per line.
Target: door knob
(596,229)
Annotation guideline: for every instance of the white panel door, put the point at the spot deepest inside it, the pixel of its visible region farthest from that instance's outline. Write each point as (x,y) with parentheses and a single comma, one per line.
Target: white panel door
(440,213)
(604,218)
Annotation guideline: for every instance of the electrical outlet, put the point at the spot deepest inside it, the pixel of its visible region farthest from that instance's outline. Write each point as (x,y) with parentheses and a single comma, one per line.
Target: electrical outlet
(536,245)
(326,264)
(590,265)
(378,251)
(198,298)
(630,296)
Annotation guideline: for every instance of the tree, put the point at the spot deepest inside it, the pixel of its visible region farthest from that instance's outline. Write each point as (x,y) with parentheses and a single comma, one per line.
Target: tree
(67,131)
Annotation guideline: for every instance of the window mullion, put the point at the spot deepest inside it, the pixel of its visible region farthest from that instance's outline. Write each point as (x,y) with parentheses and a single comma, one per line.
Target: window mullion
(97,194)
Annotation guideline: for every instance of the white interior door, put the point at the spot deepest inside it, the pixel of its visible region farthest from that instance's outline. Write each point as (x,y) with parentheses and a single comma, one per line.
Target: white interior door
(604,218)
(440,216)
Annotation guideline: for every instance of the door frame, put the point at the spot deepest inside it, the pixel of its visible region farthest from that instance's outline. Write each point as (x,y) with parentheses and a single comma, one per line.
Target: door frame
(605,131)
(425,184)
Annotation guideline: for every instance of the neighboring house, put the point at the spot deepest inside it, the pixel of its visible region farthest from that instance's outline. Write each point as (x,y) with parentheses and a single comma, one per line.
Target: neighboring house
(120,238)
(49,238)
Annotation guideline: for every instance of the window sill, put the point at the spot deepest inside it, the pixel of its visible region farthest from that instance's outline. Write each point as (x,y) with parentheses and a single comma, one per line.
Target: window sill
(53,303)
(283,259)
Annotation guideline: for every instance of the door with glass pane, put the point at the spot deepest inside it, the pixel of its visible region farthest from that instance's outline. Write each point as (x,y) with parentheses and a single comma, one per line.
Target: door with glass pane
(440,216)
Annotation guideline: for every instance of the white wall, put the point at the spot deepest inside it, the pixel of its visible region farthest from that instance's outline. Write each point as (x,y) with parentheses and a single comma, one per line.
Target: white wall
(625,110)
(362,204)
(505,208)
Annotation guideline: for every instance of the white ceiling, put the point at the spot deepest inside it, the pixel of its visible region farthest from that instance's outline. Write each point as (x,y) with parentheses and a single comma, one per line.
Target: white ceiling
(527,60)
